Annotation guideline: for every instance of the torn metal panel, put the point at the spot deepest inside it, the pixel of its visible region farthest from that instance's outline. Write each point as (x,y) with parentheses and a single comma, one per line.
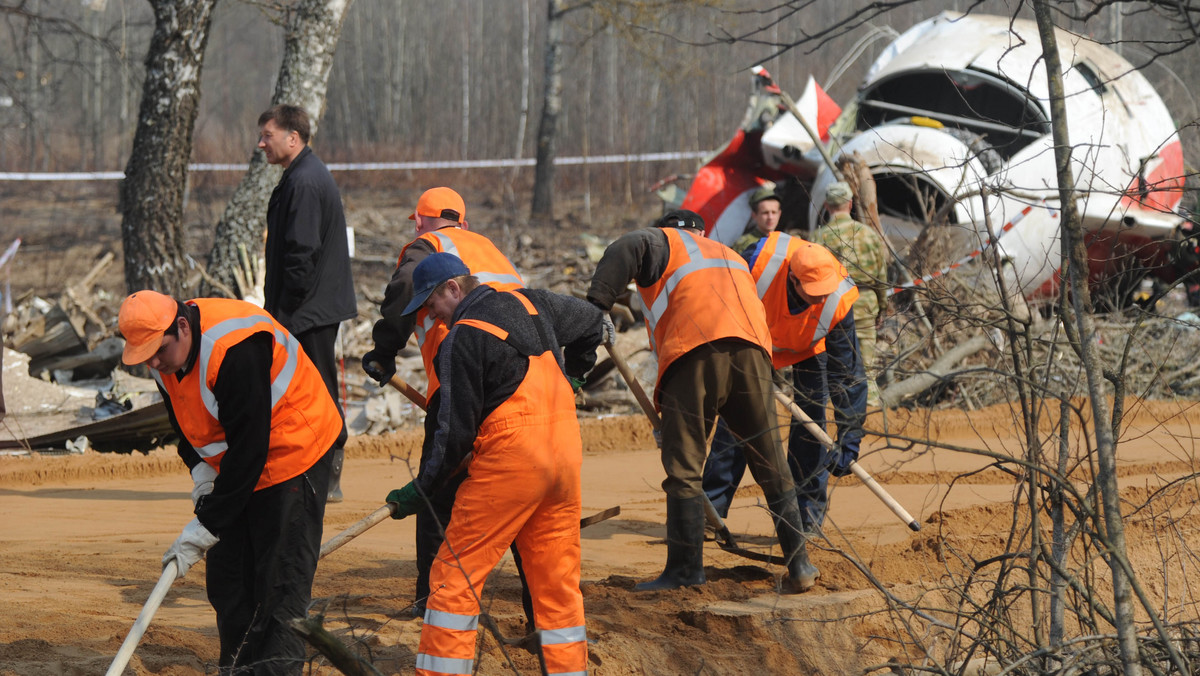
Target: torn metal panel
(140,429)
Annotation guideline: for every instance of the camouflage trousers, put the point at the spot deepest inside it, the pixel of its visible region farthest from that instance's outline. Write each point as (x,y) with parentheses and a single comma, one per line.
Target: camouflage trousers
(864,326)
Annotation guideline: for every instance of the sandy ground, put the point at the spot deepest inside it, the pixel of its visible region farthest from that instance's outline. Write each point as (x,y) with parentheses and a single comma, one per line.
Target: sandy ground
(82,537)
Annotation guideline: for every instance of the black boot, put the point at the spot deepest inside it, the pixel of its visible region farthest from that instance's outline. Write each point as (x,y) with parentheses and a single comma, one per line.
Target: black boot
(802,574)
(335,476)
(685,546)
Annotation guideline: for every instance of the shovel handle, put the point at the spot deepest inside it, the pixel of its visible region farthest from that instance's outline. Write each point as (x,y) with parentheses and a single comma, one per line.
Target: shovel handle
(634,386)
(409,391)
(821,436)
(169,573)
(358,528)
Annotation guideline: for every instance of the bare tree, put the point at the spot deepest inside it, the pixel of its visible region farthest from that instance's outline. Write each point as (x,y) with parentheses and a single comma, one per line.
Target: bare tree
(547,135)
(312,29)
(156,175)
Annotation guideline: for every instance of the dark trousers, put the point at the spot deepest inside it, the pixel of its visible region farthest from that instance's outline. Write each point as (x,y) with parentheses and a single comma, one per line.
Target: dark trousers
(319,344)
(730,379)
(835,375)
(260,574)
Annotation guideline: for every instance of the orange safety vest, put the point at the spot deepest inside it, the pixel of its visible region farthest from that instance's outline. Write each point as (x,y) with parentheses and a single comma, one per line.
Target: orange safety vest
(304,420)
(484,261)
(796,337)
(705,294)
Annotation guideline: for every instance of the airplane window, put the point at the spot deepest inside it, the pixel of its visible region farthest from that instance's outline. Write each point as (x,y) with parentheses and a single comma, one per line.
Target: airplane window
(1091,77)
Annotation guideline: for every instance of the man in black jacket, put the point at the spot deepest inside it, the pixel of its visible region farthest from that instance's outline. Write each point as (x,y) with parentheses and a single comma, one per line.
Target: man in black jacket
(308,284)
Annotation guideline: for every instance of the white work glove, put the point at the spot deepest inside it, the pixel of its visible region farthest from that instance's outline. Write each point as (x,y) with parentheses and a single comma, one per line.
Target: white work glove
(203,476)
(189,547)
(610,331)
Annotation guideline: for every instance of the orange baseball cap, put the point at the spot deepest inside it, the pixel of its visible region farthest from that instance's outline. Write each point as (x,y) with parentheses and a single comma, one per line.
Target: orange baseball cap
(143,319)
(816,268)
(441,203)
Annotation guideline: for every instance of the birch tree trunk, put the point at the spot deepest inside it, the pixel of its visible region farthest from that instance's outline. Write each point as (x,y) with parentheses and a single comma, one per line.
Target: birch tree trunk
(311,35)
(156,175)
(543,177)
(523,113)
(1074,258)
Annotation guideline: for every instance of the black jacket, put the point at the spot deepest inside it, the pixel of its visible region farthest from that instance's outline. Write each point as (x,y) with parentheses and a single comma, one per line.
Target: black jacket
(308,282)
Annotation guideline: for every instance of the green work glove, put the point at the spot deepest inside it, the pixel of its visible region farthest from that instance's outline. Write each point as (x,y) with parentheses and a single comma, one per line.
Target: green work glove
(407,501)
(576,383)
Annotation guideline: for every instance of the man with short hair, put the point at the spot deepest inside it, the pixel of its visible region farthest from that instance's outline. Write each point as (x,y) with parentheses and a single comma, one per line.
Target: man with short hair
(709,332)
(864,253)
(441,226)
(506,410)
(765,211)
(309,288)
(257,429)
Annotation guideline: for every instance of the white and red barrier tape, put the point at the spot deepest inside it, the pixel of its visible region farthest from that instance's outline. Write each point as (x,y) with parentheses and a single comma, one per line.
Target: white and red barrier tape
(969,257)
(377,166)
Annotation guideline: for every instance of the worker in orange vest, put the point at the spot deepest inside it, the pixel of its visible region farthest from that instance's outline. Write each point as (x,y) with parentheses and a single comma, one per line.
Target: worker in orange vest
(506,403)
(441,225)
(257,428)
(709,332)
(809,297)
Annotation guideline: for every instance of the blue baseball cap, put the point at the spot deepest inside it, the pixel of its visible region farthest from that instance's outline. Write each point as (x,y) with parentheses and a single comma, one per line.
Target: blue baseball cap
(431,273)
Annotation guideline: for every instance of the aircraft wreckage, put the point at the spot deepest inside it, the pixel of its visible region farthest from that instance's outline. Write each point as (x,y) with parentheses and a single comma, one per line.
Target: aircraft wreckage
(952,122)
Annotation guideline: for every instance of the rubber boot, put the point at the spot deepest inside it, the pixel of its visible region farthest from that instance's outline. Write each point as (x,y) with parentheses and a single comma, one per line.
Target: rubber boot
(802,574)
(685,546)
(335,476)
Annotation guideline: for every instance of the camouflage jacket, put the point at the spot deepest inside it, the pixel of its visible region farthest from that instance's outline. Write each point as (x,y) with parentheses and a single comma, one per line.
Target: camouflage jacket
(862,250)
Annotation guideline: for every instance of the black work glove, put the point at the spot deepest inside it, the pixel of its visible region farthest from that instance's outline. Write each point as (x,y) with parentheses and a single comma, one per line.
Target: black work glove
(379,365)
(842,466)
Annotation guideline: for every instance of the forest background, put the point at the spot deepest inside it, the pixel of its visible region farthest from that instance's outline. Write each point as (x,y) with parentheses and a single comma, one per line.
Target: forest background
(462,79)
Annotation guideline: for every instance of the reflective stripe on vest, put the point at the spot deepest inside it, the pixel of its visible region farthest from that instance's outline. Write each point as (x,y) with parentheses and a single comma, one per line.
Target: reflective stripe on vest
(775,262)
(424,326)
(209,338)
(829,309)
(444,665)
(485,277)
(565,635)
(696,261)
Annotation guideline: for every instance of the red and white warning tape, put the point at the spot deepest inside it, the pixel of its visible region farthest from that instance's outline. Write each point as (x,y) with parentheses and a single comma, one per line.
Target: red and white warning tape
(971,256)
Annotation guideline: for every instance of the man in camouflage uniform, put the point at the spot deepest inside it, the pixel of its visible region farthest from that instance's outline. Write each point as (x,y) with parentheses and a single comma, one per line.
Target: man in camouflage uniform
(862,250)
(765,211)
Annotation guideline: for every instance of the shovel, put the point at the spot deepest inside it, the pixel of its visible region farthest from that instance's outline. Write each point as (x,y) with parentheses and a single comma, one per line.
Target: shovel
(169,573)
(821,436)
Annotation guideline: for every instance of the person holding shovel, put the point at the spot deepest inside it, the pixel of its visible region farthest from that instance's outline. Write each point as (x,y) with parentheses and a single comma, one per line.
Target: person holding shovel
(257,428)
(505,409)
(810,300)
(441,225)
(709,332)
